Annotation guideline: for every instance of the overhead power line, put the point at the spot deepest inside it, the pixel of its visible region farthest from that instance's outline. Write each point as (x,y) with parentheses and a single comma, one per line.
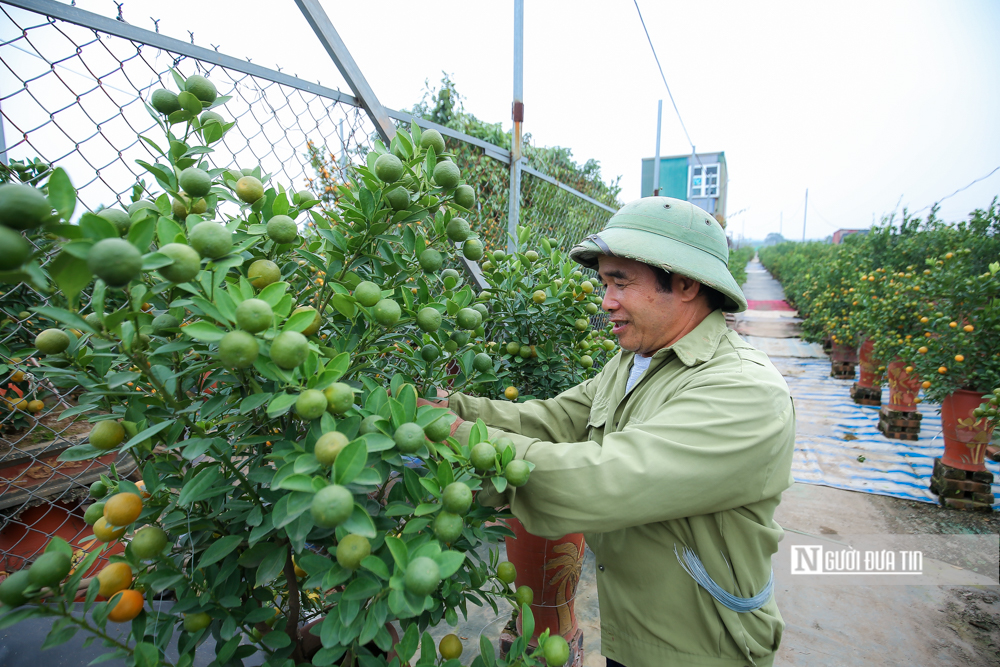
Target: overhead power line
(667,85)
(966,187)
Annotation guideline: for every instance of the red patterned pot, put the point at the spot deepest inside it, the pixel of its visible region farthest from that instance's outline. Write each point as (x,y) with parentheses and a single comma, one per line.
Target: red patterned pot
(903,388)
(552,569)
(965,436)
(844,353)
(870,377)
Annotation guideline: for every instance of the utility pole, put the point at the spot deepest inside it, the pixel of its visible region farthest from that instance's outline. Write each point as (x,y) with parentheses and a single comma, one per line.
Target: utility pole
(656,161)
(781,223)
(804,214)
(517,112)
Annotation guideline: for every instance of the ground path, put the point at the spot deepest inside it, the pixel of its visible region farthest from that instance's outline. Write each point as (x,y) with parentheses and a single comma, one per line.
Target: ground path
(864,625)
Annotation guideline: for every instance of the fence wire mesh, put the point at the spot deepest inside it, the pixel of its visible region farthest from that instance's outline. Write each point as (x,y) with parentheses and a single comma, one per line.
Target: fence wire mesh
(72,96)
(552,211)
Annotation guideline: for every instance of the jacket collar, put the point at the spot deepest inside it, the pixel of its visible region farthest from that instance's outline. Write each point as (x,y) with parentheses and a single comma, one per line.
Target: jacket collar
(699,345)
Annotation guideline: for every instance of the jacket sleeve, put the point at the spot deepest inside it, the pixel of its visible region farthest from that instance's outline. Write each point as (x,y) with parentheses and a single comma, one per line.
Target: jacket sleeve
(559,419)
(721,444)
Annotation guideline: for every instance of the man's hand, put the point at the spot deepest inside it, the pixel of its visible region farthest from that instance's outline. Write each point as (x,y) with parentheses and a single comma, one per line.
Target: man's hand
(442,394)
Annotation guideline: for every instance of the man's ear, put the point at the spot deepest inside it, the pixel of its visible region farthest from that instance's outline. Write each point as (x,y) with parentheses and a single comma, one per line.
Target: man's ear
(686,289)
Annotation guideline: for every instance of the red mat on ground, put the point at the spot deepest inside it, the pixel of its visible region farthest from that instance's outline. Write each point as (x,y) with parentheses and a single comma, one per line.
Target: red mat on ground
(769,305)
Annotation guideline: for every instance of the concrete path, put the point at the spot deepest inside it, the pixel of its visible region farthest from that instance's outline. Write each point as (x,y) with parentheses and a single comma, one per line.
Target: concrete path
(871,625)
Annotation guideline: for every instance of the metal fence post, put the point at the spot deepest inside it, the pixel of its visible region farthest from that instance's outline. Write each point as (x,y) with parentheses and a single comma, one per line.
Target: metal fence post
(515,139)
(656,160)
(3,142)
(334,45)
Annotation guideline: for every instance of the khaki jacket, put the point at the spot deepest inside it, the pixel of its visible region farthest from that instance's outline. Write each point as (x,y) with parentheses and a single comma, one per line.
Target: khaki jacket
(696,456)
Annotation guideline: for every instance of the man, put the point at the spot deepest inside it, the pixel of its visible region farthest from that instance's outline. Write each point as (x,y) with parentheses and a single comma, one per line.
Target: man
(672,459)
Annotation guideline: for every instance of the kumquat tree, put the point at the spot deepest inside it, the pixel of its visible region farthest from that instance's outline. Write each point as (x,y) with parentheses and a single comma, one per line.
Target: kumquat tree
(260,359)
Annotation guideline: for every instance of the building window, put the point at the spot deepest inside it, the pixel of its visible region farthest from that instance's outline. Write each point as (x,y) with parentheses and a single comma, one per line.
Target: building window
(704,181)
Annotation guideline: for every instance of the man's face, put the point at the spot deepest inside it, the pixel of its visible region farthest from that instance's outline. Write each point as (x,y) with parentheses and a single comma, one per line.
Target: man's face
(644,318)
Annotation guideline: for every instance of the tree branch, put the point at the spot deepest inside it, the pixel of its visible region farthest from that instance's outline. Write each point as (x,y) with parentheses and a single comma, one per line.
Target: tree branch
(292,625)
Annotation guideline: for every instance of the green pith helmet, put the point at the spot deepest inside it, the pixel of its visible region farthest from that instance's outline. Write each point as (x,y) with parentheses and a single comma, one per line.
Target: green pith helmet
(672,234)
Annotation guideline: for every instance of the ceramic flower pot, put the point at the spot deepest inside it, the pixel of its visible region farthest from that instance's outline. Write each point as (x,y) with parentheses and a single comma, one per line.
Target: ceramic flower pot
(552,569)
(903,388)
(965,436)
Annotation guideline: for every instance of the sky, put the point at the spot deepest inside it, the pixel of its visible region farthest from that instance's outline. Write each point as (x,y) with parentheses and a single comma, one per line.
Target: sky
(873,106)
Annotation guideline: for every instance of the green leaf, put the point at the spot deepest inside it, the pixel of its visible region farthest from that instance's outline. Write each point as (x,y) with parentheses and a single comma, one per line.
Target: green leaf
(378,442)
(327,656)
(276,638)
(371,626)
(400,554)
(214,131)
(17,615)
(220,549)
(189,102)
(487,652)
(344,305)
(369,477)
(203,331)
(62,194)
(360,523)
(350,461)
(71,274)
(445,474)
(527,621)
(367,202)
(280,404)
(201,482)
(141,233)
(376,566)
(449,562)
(146,655)
(430,160)
(297,482)
(280,204)
(148,433)
(424,509)
(272,293)
(398,413)
(407,646)
(361,588)
(97,228)
(290,507)
(167,231)
(408,399)
(336,367)
(478,433)
(398,508)
(271,566)
(59,634)
(155,260)
(64,316)
(93,588)
(81,453)
(118,379)
(253,401)
(299,321)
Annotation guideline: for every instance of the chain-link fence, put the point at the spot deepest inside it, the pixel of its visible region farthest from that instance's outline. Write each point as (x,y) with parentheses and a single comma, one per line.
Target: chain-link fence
(72,86)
